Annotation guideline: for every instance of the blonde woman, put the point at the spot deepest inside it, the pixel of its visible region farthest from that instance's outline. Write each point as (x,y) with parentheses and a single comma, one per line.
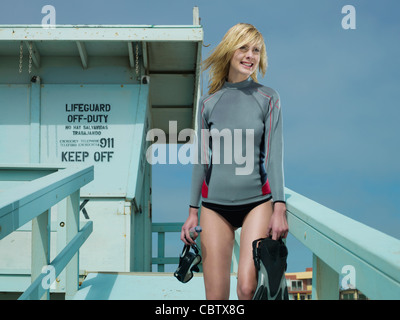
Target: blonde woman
(233,197)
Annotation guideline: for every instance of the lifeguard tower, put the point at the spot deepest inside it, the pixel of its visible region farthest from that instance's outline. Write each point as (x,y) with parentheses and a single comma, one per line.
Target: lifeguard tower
(87,95)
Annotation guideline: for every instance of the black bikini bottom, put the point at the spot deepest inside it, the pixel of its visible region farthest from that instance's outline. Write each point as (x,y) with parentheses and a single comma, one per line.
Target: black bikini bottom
(233,214)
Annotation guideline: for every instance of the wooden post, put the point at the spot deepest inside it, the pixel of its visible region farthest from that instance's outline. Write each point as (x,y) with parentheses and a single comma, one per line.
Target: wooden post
(40,247)
(325,281)
(72,228)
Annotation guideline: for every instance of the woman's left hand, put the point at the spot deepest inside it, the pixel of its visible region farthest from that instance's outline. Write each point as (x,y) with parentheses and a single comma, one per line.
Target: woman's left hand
(278,226)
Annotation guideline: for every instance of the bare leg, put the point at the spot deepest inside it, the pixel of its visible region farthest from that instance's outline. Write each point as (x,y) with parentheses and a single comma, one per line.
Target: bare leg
(255,226)
(217,240)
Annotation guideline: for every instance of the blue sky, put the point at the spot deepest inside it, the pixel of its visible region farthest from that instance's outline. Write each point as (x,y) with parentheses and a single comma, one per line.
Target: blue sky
(339,92)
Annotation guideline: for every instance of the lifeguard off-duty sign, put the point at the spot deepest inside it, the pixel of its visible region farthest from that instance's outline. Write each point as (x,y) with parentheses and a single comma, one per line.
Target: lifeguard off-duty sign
(89,124)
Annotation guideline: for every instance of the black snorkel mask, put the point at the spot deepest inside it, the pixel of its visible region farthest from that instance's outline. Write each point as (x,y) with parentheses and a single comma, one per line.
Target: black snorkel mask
(188,262)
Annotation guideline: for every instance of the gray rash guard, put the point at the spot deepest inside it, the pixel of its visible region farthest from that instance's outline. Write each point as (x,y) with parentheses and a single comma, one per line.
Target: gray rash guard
(240,146)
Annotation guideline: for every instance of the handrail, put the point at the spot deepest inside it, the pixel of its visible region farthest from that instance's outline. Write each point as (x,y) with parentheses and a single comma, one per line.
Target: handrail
(33,201)
(367,258)
(161,228)
(42,193)
(36,290)
(340,245)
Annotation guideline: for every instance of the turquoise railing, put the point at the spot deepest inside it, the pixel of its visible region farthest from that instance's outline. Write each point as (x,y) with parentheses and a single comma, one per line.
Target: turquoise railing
(366,258)
(161,229)
(21,202)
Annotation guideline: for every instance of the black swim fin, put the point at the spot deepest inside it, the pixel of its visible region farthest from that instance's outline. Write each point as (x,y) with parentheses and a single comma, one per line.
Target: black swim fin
(270,259)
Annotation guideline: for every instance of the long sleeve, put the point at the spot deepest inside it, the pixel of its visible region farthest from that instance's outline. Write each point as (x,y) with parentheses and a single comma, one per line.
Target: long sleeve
(274,160)
(237,108)
(200,164)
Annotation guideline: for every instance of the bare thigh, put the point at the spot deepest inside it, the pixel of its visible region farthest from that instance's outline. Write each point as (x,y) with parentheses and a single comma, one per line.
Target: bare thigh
(255,226)
(217,240)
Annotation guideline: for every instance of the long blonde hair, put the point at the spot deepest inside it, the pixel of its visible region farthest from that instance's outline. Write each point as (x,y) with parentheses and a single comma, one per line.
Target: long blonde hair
(219,60)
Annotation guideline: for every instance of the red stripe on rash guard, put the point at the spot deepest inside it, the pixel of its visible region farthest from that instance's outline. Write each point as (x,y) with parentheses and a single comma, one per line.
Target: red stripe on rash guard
(269,134)
(202,139)
(264,94)
(276,103)
(266,189)
(204,190)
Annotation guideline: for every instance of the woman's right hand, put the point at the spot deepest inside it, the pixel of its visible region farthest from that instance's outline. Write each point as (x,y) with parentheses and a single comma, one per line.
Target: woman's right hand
(191,221)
